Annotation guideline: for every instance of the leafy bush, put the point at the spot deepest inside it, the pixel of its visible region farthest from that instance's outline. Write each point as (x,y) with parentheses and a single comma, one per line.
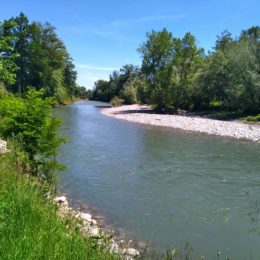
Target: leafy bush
(29,121)
(116,101)
(253,118)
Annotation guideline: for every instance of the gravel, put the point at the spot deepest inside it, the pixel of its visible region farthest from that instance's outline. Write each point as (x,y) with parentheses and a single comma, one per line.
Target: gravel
(138,114)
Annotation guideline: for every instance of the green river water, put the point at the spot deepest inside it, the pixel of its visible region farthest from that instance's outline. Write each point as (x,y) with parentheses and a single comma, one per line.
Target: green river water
(163,186)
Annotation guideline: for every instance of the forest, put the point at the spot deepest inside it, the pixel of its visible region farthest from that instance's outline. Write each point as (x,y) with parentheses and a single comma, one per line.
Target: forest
(177,74)
(33,56)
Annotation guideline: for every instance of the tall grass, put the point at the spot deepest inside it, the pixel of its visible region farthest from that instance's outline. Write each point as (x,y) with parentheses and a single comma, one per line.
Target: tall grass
(29,226)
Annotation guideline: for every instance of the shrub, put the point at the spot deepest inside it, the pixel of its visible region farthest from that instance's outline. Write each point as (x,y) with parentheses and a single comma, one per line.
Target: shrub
(116,101)
(29,121)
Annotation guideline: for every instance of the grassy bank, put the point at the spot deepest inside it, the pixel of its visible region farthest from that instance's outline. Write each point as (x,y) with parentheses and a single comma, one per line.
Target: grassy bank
(29,226)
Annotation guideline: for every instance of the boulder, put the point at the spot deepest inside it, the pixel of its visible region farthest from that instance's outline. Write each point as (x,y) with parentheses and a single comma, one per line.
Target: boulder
(3,145)
(114,248)
(62,200)
(84,216)
(94,232)
(131,251)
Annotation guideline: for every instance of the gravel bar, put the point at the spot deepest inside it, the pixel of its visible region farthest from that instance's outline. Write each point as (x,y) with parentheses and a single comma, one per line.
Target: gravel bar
(143,114)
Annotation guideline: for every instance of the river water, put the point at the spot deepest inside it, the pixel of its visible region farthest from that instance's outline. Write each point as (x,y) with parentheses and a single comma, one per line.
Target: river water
(164,186)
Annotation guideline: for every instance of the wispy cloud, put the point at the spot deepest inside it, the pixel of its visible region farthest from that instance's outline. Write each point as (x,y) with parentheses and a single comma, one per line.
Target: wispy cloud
(88,74)
(115,29)
(146,19)
(91,67)
(105,32)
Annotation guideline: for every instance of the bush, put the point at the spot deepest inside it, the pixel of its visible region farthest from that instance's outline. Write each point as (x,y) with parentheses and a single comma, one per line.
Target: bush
(29,121)
(116,101)
(253,118)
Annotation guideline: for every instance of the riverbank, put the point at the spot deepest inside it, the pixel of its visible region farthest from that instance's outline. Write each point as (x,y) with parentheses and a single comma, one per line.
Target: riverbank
(31,227)
(144,115)
(92,228)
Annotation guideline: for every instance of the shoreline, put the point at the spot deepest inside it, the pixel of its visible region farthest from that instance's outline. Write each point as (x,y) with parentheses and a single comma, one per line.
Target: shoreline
(143,114)
(92,227)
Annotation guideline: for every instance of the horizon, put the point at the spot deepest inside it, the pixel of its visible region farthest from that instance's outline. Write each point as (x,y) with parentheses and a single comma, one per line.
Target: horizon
(103,36)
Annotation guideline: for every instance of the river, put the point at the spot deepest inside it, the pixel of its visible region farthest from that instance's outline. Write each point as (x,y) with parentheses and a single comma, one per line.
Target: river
(164,186)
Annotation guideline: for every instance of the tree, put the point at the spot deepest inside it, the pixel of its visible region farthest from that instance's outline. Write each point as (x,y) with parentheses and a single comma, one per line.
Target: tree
(157,54)
(21,46)
(40,57)
(8,67)
(30,121)
(169,65)
(186,62)
(224,41)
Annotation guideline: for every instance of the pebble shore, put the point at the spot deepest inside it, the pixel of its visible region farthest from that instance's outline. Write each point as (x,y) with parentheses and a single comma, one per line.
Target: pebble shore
(3,146)
(90,227)
(143,114)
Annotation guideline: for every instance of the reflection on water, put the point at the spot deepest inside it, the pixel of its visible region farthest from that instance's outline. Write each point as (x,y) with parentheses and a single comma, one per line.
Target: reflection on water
(162,185)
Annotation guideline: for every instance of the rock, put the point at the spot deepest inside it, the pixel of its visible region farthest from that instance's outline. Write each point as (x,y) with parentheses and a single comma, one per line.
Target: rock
(94,222)
(3,145)
(62,200)
(88,227)
(114,248)
(94,232)
(129,258)
(131,251)
(84,216)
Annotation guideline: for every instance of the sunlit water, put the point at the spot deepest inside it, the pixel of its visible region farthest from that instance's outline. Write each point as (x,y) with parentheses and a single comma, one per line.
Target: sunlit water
(164,186)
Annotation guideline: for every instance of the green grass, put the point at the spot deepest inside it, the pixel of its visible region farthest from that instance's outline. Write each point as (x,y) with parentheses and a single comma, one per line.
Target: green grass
(29,226)
(255,118)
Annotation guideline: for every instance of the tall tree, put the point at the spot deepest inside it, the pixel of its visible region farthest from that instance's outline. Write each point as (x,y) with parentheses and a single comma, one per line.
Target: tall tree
(157,54)
(8,67)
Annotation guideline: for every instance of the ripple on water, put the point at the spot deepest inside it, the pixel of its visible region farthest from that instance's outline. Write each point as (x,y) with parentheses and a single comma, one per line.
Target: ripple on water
(162,185)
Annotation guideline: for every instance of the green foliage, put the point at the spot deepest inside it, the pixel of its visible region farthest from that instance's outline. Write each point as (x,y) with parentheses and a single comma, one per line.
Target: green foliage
(102,91)
(29,121)
(116,101)
(31,54)
(170,65)
(129,92)
(29,226)
(176,74)
(157,53)
(231,74)
(121,84)
(253,118)
(8,67)
(3,92)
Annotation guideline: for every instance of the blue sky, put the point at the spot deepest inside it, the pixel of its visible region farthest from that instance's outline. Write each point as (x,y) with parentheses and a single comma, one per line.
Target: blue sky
(102,36)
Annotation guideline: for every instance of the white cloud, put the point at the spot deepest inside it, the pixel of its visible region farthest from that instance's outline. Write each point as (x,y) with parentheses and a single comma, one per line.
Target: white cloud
(146,19)
(107,32)
(88,74)
(91,67)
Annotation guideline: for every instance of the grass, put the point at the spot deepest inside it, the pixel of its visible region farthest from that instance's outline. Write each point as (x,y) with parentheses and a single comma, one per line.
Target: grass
(29,226)
(255,118)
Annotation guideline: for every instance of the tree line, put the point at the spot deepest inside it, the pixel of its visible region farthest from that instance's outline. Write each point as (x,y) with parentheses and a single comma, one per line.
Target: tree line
(32,55)
(36,72)
(177,74)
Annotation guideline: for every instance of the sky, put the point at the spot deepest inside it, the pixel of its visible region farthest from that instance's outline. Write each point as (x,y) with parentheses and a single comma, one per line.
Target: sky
(102,36)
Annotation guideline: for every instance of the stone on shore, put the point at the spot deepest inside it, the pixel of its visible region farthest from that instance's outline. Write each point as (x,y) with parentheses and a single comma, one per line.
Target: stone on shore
(114,248)
(94,232)
(89,228)
(138,114)
(86,217)
(62,200)
(3,145)
(131,252)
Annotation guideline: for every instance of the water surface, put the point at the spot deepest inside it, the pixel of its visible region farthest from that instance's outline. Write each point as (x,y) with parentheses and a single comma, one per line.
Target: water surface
(162,185)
